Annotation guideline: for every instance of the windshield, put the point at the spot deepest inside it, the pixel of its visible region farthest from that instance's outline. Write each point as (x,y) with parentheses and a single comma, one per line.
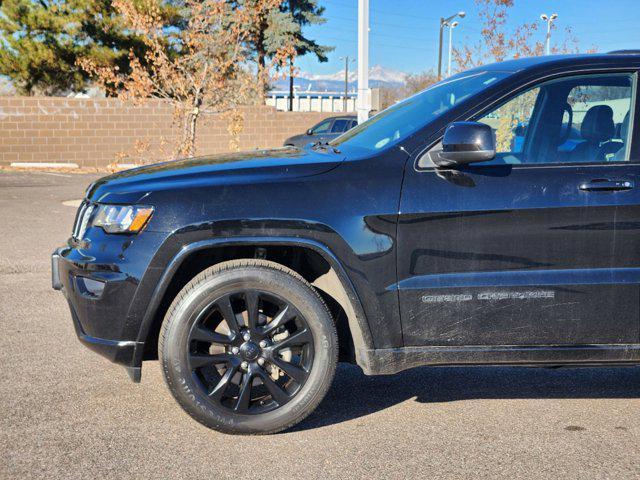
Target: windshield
(404,118)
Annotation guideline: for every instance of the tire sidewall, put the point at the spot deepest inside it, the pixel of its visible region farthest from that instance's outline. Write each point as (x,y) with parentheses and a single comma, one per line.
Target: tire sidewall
(175,349)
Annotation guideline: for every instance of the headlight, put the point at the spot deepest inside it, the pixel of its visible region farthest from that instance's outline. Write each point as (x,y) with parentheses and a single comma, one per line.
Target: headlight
(121,218)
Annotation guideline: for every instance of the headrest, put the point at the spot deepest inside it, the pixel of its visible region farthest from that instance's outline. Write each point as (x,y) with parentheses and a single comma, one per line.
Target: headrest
(598,125)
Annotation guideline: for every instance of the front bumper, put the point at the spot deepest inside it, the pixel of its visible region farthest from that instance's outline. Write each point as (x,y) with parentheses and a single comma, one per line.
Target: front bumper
(100,293)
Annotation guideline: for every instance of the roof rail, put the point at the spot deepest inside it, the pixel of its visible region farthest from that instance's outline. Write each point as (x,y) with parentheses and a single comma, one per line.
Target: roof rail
(624,52)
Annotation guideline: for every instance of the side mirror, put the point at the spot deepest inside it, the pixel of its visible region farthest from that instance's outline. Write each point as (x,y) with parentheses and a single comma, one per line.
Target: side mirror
(466,142)
(310,131)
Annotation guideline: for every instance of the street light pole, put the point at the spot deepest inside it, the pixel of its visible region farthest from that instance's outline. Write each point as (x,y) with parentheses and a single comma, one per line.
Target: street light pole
(364,95)
(346,81)
(549,19)
(451,27)
(444,22)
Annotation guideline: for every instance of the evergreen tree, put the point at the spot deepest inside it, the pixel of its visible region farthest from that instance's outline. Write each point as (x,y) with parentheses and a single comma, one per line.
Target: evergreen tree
(277,29)
(41,40)
(305,12)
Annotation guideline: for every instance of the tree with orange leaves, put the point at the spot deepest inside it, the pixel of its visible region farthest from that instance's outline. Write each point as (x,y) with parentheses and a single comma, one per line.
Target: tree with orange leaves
(208,75)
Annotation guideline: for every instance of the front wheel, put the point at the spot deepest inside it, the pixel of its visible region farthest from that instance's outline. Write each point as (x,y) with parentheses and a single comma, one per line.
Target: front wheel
(249,347)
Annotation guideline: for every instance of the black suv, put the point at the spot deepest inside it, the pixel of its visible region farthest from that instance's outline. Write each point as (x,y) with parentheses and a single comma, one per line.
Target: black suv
(492,219)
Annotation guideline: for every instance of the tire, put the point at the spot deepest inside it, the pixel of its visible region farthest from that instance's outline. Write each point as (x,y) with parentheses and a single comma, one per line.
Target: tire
(248,326)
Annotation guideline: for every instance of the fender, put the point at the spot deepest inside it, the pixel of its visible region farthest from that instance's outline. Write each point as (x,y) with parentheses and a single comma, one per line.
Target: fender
(358,324)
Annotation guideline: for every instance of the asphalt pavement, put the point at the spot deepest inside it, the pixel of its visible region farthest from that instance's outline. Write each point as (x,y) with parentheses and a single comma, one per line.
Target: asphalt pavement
(68,413)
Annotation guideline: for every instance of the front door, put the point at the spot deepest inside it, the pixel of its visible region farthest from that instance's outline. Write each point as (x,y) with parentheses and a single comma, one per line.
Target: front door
(540,246)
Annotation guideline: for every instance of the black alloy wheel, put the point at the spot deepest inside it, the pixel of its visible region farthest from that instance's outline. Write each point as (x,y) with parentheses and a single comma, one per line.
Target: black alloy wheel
(249,347)
(251,351)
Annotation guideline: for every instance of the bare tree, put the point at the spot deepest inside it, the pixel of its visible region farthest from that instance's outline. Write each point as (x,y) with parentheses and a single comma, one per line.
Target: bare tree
(413,84)
(499,42)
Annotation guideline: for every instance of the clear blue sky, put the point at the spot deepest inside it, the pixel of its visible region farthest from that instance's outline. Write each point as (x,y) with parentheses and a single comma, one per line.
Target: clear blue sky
(404,33)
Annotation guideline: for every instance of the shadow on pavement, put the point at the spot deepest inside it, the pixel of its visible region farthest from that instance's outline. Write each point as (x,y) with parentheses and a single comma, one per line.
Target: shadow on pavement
(355,395)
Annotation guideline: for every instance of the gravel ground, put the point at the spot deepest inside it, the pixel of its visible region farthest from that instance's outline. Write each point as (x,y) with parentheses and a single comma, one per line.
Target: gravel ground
(67,413)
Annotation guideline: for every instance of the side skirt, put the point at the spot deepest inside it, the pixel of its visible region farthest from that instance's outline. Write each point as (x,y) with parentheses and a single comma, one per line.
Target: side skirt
(393,360)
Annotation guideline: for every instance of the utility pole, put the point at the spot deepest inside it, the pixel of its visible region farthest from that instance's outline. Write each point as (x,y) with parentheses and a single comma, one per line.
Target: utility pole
(451,27)
(291,70)
(291,84)
(549,20)
(346,81)
(444,22)
(364,94)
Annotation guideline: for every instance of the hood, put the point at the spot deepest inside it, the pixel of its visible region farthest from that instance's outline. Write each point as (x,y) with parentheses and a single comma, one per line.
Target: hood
(300,136)
(131,186)
(301,140)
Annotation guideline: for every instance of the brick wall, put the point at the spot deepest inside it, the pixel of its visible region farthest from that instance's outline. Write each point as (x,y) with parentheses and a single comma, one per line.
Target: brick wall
(93,132)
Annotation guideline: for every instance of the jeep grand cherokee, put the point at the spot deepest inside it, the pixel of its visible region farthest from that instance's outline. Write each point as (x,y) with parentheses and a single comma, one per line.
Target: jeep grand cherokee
(492,219)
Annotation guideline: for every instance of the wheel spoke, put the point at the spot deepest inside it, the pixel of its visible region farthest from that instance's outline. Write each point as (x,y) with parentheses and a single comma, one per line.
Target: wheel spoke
(299,338)
(277,393)
(244,397)
(252,302)
(204,335)
(226,309)
(221,387)
(197,360)
(297,373)
(283,316)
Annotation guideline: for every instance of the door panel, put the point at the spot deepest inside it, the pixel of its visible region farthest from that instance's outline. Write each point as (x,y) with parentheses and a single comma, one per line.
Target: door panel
(539,246)
(519,256)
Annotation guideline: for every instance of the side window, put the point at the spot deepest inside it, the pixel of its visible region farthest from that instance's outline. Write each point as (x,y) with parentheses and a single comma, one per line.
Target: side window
(340,125)
(510,121)
(322,127)
(601,114)
(353,124)
(581,119)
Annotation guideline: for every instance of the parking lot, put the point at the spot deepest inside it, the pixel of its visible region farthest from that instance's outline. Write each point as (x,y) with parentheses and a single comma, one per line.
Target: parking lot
(68,413)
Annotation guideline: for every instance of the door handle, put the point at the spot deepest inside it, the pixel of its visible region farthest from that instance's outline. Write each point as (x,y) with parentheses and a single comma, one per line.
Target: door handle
(604,185)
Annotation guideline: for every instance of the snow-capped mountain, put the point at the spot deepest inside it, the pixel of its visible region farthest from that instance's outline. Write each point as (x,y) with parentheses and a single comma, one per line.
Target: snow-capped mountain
(378,76)
(387,75)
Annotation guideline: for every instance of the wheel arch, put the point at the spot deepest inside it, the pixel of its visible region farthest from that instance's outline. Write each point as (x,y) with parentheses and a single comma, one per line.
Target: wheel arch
(334,284)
